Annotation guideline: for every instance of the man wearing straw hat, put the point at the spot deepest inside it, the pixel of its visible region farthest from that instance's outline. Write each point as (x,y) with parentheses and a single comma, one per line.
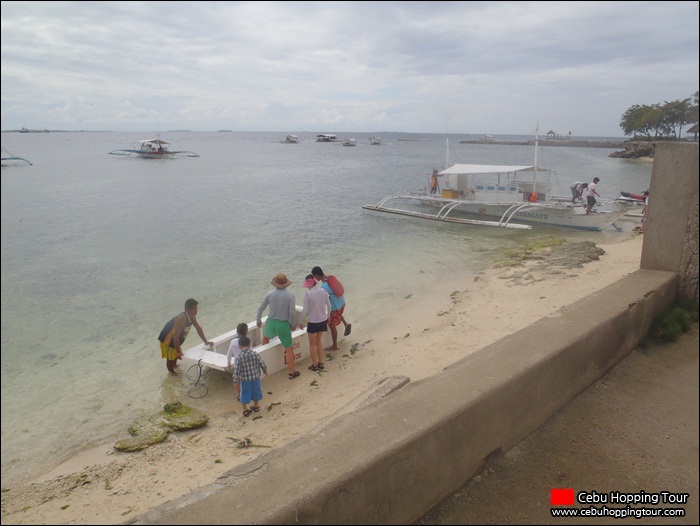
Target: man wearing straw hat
(281,320)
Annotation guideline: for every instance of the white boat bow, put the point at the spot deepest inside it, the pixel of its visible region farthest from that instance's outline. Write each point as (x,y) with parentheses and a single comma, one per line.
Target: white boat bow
(272,352)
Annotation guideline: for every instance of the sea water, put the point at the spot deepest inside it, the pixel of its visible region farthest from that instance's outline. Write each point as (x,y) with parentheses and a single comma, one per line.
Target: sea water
(99,251)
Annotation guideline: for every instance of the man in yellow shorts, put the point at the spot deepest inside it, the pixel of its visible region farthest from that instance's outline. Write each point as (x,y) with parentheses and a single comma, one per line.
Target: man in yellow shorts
(175,332)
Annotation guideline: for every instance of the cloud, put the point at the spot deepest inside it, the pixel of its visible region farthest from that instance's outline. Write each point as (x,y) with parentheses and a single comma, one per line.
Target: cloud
(477,67)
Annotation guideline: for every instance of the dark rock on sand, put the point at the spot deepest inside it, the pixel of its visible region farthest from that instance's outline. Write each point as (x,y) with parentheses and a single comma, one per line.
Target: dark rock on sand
(156,428)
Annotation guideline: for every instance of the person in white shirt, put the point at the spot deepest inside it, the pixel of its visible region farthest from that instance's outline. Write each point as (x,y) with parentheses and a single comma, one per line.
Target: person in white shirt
(317,305)
(591,195)
(577,191)
(644,212)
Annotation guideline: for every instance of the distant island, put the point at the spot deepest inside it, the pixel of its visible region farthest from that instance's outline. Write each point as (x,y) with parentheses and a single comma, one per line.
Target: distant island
(25,130)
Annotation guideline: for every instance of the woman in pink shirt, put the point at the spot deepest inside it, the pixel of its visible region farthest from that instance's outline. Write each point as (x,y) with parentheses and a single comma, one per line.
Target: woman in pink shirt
(317,306)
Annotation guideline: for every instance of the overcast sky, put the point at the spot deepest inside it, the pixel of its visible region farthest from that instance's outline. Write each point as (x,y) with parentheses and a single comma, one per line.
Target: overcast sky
(427,67)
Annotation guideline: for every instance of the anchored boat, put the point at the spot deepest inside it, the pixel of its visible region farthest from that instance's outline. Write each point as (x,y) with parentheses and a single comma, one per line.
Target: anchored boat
(500,195)
(10,158)
(153,149)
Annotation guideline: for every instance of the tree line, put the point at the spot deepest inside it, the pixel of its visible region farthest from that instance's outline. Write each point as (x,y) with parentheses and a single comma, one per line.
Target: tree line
(665,120)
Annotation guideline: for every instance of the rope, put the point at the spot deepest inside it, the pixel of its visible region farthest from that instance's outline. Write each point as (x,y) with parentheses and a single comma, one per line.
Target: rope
(200,372)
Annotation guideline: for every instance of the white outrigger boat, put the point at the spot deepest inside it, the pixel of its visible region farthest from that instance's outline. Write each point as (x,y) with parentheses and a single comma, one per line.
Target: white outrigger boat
(502,195)
(272,352)
(153,149)
(10,158)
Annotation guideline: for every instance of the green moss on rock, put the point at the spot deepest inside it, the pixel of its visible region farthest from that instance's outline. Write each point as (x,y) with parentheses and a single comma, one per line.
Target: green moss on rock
(156,428)
(180,417)
(142,441)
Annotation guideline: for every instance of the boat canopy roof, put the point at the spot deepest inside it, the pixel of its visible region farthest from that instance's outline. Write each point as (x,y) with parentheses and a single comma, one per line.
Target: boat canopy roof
(472,169)
(153,141)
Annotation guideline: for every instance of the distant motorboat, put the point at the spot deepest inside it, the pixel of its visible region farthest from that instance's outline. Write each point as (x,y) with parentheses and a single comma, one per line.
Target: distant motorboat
(290,139)
(326,137)
(349,142)
(153,149)
(375,140)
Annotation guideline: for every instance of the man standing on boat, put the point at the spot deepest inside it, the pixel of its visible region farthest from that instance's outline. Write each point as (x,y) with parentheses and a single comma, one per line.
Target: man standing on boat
(577,191)
(591,195)
(175,332)
(281,320)
(434,182)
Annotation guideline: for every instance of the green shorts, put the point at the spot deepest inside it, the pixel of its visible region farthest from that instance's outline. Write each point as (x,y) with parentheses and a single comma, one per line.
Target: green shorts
(280,328)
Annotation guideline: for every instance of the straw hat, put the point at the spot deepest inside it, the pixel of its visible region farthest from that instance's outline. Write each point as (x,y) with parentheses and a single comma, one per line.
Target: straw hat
(280,281)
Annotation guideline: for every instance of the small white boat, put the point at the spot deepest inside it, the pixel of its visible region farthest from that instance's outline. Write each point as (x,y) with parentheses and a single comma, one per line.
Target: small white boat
(272,352)
(505,196)
(153,149)
(326,137)
(290,139)
(375,140)
(349,142)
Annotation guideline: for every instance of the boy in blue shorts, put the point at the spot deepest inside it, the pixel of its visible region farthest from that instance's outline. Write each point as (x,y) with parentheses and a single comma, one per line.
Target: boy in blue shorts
(246,372)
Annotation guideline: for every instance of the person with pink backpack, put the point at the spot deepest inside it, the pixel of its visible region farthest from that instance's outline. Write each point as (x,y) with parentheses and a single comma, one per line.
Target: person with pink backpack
(336,291)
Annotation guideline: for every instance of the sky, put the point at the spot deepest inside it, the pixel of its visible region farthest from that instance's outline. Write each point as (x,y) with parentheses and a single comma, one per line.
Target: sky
(333,67)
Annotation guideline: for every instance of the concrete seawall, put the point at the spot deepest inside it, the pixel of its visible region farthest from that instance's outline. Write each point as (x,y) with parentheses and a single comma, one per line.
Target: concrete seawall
(394,459)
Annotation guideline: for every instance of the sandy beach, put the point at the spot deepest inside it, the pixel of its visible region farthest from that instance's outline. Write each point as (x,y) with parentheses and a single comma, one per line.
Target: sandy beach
(429,331)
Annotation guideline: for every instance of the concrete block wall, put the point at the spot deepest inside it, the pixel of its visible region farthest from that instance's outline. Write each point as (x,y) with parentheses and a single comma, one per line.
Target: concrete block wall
(671,238)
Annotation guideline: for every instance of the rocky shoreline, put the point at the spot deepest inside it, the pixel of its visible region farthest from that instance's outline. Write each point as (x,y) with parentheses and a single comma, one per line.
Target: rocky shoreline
(575,144)
(635,150)
(630,149)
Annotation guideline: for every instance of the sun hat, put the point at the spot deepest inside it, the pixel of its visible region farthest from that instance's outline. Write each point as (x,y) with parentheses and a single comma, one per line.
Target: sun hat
(309,282)
(280,281)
